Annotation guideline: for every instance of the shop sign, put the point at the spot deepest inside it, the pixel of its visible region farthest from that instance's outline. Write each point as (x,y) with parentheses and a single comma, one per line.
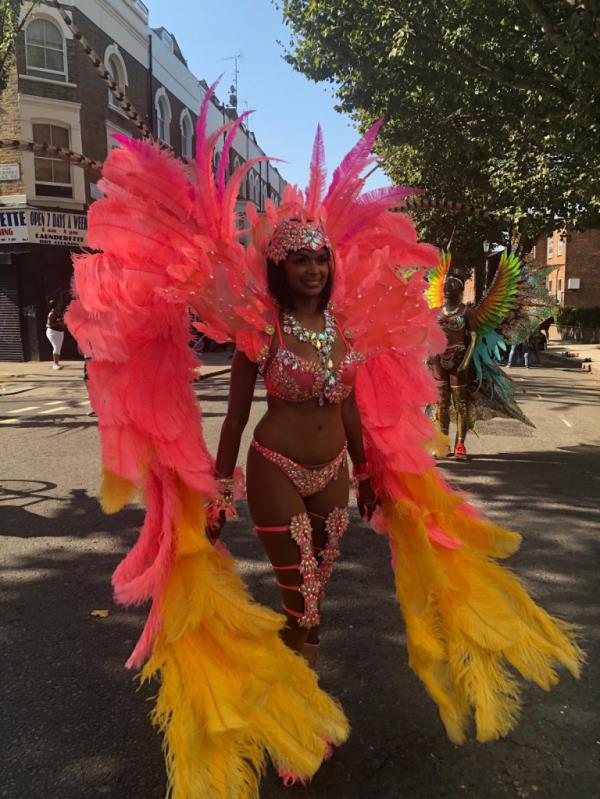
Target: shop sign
(9,172)
(13,226)
(38,226)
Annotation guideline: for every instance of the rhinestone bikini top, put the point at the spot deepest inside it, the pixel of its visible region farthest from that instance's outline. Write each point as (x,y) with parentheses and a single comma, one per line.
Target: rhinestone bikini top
(292,378)
(453,321)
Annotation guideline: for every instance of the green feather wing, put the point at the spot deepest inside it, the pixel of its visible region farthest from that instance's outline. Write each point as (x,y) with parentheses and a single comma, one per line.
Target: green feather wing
(500,297)
(436,277)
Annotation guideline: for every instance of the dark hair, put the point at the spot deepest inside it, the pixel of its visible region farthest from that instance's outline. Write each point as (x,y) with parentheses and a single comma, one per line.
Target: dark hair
(278,285)
(455,279)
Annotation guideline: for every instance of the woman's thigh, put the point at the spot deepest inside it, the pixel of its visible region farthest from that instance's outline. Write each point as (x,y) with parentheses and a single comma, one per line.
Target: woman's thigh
(440,374)
(272,498)
(335,495)
(273,501)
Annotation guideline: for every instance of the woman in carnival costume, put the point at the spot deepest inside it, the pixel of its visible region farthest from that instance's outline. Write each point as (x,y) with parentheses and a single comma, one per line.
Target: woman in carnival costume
(450,368)
(232,691)
(309,368)
(467,372)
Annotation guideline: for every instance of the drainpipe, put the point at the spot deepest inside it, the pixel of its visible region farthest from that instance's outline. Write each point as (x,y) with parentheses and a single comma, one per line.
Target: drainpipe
(150,75)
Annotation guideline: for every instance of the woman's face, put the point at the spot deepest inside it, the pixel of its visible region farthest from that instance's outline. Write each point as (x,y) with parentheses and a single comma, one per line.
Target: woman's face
(307,271)
(453,290)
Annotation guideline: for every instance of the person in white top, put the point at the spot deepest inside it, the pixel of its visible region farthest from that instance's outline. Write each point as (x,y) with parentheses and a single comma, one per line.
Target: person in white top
(55,331)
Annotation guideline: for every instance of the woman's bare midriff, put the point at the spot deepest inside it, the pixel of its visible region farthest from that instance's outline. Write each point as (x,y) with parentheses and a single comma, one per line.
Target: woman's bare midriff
(306,432)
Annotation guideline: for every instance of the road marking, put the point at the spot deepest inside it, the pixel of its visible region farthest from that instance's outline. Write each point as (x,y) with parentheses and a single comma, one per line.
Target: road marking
(540,396)
(85,402)
(24,410)
(55,410)
(10,421)
(567,423)
(55,402)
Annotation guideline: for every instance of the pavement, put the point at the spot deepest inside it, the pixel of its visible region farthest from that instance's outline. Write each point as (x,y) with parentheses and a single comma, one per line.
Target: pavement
(16,373)
(74,726)
(574,354)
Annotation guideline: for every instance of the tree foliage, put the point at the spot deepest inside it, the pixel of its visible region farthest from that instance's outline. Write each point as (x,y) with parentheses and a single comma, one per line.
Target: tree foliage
(11,23)
(496,104)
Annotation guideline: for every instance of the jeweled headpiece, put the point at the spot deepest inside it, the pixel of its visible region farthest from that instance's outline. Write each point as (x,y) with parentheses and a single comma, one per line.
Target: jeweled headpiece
(294,234)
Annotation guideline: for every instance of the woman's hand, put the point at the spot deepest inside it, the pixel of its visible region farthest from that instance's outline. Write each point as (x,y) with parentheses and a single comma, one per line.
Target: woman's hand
(214,524)
(366,499)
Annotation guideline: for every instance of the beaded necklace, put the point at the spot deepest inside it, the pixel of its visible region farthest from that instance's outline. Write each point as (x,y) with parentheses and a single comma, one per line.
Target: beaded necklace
(322,342)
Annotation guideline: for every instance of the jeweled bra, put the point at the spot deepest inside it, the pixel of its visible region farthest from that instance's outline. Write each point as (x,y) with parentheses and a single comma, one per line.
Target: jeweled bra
(453,321)
(295,379)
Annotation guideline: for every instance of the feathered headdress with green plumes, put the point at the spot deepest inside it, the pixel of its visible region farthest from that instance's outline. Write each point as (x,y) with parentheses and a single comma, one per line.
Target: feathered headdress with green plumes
(437,277)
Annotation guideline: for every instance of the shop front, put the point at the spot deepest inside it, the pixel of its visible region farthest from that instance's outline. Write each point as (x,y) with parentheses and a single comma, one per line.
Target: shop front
(36,246)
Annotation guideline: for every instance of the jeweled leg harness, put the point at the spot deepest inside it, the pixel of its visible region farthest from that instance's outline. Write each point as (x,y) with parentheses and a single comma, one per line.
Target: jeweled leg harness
(315,570)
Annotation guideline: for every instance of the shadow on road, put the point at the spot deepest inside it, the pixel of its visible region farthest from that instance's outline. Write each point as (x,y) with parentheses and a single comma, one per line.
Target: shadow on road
(80,515)
(72,722)
(77,728)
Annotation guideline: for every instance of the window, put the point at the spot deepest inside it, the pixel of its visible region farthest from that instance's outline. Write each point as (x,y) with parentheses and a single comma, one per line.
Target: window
(550,250)
(163,116)
(550,286)
(44,47)
(116,67)
(235,164)
(253,187)
(52,175)
(111,129)
(560,246)
(187,134)
(559,286)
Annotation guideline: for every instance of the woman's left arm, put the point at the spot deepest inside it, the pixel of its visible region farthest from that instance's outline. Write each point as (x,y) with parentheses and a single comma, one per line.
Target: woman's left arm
(471,330)
(365,496)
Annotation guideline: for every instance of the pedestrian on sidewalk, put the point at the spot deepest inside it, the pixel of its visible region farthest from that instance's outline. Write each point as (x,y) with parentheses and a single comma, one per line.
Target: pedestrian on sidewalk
(55,331)
(521,350)
(536,342)
(86,377)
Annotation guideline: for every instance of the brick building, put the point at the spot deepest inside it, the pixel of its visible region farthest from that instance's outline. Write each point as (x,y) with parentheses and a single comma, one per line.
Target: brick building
(55,96)
(575,282)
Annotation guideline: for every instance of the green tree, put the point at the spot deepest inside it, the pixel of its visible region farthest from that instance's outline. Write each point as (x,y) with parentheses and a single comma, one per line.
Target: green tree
(11,24)
(495,104)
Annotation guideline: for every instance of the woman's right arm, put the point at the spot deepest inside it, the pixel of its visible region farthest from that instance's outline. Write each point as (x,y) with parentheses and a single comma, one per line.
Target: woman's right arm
(241,392)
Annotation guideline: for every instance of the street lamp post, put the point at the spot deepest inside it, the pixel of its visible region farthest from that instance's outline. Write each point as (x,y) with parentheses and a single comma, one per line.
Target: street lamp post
(486,252)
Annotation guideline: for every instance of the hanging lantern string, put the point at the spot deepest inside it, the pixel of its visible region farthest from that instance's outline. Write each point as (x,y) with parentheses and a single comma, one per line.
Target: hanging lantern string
(50,149)
(421,202)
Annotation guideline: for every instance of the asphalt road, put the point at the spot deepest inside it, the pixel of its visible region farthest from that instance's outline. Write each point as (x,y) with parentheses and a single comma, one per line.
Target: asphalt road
(73,725)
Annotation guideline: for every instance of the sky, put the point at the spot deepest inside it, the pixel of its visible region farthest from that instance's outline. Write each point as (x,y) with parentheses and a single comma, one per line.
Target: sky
(287,105)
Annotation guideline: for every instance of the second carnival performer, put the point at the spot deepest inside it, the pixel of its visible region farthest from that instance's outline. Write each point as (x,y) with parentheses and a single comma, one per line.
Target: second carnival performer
(471,385)
(325,297)
(451,367)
